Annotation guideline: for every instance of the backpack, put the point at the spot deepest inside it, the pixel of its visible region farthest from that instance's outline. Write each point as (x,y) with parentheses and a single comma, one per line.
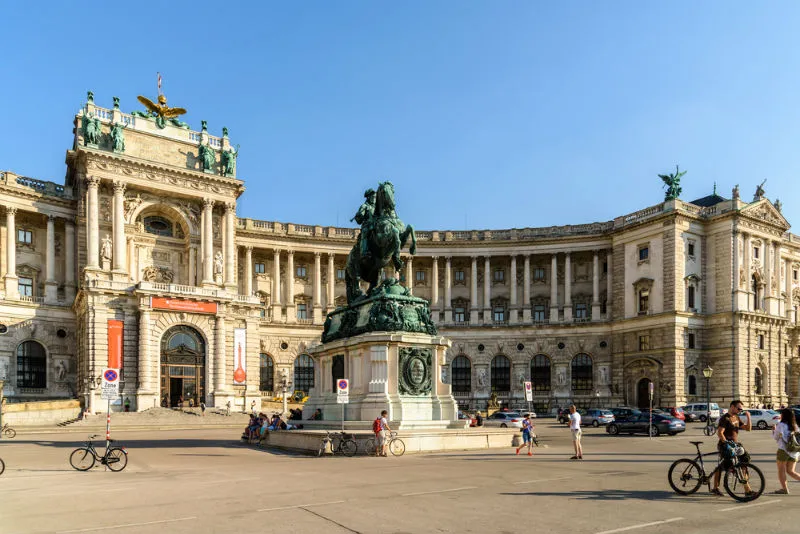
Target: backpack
(793,443)
(377,426)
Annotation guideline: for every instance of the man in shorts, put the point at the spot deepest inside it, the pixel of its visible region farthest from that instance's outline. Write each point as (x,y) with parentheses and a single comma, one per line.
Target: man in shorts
(381,442)
(527,434)
(575,429)
(728,430)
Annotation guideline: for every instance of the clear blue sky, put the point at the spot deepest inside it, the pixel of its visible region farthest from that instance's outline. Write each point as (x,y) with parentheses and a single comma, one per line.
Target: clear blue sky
(483,114)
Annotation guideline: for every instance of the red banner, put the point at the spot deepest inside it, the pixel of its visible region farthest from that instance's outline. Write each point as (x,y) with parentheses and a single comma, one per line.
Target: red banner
(114,344)
(166,303)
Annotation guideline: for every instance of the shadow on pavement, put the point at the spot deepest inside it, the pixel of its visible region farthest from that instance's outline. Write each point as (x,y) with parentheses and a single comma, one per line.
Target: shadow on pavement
(610,495)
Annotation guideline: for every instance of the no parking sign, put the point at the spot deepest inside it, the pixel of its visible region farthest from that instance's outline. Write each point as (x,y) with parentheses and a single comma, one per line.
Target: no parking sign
(110,388)
(342,391)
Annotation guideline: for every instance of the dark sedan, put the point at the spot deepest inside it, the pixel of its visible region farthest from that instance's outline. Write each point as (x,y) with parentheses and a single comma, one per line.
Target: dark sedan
(640,424)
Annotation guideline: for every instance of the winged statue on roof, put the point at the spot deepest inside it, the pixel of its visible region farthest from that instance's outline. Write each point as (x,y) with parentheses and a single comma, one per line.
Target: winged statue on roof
(159,109)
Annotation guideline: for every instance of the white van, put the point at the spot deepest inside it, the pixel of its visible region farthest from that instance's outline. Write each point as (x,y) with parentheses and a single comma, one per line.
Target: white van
(701,411)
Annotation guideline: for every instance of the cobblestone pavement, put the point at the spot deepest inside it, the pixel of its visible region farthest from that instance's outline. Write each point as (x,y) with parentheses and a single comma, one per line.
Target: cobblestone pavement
(207,481)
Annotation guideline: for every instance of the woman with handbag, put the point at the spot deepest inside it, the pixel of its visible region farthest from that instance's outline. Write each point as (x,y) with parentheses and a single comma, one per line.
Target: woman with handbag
(787,455)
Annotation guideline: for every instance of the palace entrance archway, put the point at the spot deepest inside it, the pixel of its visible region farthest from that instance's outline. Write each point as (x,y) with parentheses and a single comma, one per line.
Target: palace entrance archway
(183,367)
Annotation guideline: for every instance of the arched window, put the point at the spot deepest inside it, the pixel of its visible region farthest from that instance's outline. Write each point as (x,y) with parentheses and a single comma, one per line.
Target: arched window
(758,382)
(304,373)
(692,385)
(462,374)
(582,379)
(185,339)
(267,373)
(31,365)
(501,374)
(540,373)
(158,226)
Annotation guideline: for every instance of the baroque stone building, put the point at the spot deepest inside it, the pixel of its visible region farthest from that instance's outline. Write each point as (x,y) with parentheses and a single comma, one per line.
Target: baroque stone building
(140,253)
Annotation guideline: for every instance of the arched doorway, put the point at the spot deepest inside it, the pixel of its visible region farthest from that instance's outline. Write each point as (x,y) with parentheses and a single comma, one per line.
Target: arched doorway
(643,393)
(183,367)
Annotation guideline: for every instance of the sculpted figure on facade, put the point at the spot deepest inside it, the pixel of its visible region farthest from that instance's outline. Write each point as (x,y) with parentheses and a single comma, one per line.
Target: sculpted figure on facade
(482,378)
(91,130)
(105,250)
(229,161)
(759,191)
(673,183)
(218,266)
(117,137)
(207,158)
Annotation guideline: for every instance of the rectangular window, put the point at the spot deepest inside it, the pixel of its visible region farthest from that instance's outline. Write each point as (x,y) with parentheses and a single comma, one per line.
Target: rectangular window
(605,267)
(25,286)
(755,252)
(420,276)
(539,313)
(581,311)
(459,276)
(260,268)
(499,275)
(644,301)
(691,250)
(301,311)
(690,341)
(340,274)
(301,271)
(794,275)
(760,338)
(538,274)
(25,236)
(499,314)
(644,343)
(459,315)
(691,297)
(644,253)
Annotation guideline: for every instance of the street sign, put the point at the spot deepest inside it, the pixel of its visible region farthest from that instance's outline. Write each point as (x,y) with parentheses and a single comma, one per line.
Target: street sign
(528,392)
(110,387)
(342,391)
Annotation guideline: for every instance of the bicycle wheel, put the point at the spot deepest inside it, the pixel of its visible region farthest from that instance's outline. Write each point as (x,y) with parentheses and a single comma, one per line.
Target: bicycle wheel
(369,446)
(10,432)
(336,445)
(685,476)
(2,466)
(81,459)
(738,478)
(397,447)
(349,447)
(709,430)
(117,459)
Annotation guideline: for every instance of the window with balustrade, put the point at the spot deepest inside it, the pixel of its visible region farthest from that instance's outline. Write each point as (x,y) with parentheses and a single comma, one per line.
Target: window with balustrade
(539,274)
(539,313)
(304,373)
(582,373)
(581,311)
(25,286)
(302,311)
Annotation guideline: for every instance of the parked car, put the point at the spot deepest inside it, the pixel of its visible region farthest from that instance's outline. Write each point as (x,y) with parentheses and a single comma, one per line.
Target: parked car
(675,411)
(640,424)
(563,416)
(504,420)
(701,411)
(596,417)
(472,420)
(623,412)
(533,414)
(690,417)
(764,419)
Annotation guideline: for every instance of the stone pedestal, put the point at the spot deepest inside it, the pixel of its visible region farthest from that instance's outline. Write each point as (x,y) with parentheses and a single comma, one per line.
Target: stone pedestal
(396,371)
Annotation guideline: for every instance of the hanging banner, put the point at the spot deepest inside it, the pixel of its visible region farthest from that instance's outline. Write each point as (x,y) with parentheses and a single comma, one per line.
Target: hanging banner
(194,306)
(239,356)
(114,344)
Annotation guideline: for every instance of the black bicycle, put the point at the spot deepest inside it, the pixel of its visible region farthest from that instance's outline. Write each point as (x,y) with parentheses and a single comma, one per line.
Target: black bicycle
(743,481)
(341,443)
(8,432)
(84,458)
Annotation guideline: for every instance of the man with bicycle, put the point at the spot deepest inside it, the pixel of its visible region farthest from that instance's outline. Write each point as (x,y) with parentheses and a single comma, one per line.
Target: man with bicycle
(728,431)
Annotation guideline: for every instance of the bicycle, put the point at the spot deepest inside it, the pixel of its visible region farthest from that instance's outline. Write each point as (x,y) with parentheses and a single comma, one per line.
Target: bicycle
(691,474)
(341,443)
(8,431)
(396,445)
(84,458)
(709,429)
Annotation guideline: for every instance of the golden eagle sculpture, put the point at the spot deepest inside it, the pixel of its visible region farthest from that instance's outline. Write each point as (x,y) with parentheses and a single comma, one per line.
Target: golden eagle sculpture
(160,110)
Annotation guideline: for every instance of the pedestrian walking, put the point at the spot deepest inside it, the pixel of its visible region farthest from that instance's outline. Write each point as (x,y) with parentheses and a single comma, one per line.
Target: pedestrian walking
(527,434)
(253,407)
(228,408)
(381,427)
(788,453)
(202,408)
(127,404)
(575,429)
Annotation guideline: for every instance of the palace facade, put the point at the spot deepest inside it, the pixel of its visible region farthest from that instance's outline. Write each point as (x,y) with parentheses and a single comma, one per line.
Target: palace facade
(140,254)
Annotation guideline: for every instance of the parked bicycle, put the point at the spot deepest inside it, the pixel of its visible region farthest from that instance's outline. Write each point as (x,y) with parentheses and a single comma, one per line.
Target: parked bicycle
(687,475)
(8,432)
(84,458)
(341,443)
(709,429)
(396,445)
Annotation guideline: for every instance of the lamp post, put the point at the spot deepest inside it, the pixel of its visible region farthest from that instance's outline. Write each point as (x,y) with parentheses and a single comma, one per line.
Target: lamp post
(707,372)
(284,388)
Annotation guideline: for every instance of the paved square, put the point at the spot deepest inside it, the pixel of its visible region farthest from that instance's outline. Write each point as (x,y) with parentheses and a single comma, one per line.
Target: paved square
(207,481)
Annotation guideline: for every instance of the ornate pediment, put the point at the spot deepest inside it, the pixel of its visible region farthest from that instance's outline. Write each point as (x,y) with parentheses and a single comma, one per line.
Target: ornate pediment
(763,210)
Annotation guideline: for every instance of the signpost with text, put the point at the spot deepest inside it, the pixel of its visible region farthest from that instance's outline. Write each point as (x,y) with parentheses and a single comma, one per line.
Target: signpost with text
(343,395)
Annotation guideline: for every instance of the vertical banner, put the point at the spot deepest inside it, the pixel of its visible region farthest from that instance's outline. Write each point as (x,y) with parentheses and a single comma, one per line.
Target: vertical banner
(239,356)
(114,344)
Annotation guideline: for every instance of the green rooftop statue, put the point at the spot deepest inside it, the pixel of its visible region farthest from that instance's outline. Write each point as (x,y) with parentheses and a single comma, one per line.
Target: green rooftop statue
(672,183)
(383,235)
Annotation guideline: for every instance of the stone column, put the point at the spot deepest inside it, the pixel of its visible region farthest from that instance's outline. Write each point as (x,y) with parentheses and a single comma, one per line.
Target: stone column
(487,291)
(291,312)
(276,285)
(50,284)
(69,261)
(526,290)
(12,284)
(248,270)
(435,289)
(93,220)
(554,289)
(221,378)
(317,317)
(473,292)
(748,269)
(410,274)
(331,300)
(767,273)
(513,312)
(144,368)
(208,241)
(737,265)
(230,247)
(118,225)
(596,287)
(192,266)
(448,290)
(567,288)
(788,289)
(609,294)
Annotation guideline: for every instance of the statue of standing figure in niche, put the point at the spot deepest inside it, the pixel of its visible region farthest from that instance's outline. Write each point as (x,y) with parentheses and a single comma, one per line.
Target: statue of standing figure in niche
(218,267)
(105,250)
(118,137)
(482,378)
(229,161)
(207,158)
(91,129)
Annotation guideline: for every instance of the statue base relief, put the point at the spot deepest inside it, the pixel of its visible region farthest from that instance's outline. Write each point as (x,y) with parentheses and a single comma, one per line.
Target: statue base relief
(400,372)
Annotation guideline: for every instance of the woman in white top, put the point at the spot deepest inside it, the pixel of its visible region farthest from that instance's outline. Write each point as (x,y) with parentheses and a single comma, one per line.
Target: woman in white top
(786,460)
